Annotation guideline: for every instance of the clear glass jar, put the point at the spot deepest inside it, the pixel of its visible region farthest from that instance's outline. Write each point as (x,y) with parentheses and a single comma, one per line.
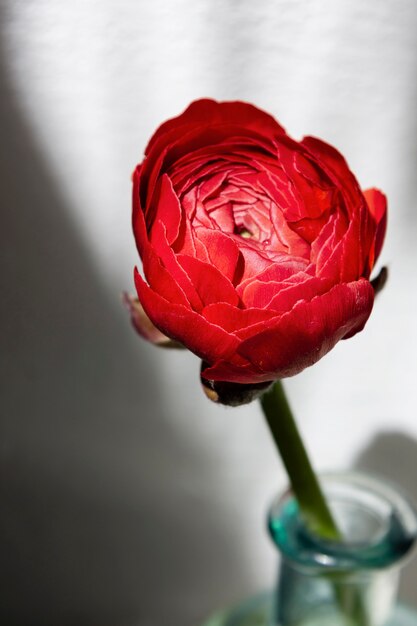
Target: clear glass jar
(324,583)
(349,583)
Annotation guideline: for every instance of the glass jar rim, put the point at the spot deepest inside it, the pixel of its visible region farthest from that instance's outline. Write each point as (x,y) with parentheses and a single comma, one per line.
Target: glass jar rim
(379,505)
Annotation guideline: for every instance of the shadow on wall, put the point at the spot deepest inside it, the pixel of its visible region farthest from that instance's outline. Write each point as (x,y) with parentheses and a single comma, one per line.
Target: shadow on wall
(393,455)
(95,526)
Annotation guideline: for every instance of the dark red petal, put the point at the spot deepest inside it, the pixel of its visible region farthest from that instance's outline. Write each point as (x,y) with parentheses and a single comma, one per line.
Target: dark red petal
(206,340)
(221,140)
(176,143)
(138,220)
(310,330)
(150,172)
(336,168)
(313,193)
(206,112)
(234,112)
(377,203)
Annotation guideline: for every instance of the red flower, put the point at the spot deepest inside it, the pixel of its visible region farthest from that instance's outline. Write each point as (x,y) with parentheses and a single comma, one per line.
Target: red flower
(256,249)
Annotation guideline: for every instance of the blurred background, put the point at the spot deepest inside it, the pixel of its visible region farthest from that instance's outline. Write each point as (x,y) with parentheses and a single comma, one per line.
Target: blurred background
(126,498)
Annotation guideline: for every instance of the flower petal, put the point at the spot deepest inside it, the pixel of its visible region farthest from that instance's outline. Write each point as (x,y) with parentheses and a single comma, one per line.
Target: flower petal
(377,203)
(208,282)
(222,251)
(144,326)
(310,330)
(233,319)
(206,340)
(168,209)
(138,219)
(207,112)
(336,168)
(229,371)
(156,274)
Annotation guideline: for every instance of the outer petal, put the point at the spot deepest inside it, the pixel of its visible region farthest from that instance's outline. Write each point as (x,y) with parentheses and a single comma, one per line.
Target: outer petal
(180,143)
(206,340)
(301,337)
(156,274)
(207,112)
(310,330)
(336,168)
(144,326)
(138,220)
(377,203)
(161,249)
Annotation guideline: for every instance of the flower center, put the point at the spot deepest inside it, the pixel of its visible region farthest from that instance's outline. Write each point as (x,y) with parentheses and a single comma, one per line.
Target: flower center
(239,203)
(243,232)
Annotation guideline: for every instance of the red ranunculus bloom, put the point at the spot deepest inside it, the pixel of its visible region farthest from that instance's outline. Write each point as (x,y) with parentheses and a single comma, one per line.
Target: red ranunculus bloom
(256,249)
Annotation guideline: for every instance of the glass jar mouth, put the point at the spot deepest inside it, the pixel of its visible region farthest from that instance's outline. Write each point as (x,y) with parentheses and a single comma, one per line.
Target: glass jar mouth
(377,521)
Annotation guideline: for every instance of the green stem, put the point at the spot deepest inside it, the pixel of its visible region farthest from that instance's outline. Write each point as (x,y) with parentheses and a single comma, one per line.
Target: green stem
(303,479)
(306,488)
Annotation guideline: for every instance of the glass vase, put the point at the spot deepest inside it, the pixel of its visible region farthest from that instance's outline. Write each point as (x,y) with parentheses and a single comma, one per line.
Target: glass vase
(328,583)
